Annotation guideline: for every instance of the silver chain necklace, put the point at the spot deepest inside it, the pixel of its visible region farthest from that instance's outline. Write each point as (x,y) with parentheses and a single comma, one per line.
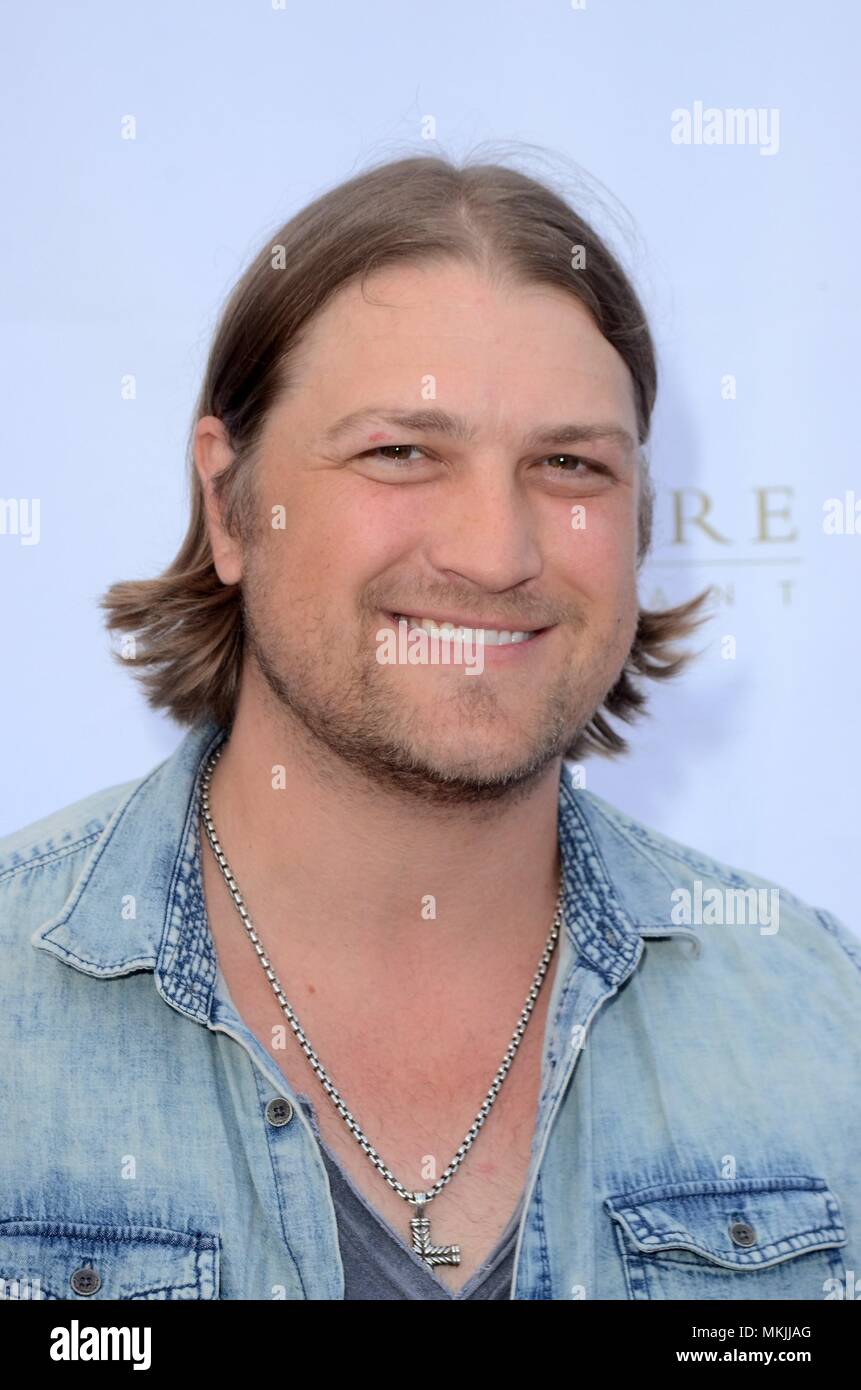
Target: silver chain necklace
(419,1225)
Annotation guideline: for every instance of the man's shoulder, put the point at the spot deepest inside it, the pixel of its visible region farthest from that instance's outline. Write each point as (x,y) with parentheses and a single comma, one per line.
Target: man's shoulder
(41,862)
(673,856)
(709,888)
(63,833)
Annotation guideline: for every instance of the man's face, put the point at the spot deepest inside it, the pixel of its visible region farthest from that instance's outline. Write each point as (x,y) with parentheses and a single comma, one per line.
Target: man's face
(478,531)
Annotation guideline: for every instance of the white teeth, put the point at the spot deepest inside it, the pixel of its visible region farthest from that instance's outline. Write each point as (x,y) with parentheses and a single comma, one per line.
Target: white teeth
(488,636)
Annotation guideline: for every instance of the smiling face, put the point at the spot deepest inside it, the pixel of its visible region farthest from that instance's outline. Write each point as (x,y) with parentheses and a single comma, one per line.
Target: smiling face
(484,418)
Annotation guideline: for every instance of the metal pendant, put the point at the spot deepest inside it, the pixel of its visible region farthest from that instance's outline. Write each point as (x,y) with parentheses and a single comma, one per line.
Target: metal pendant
(431,1254)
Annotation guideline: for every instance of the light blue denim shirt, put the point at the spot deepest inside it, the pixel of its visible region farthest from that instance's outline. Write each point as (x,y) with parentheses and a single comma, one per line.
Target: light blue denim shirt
(698,1133)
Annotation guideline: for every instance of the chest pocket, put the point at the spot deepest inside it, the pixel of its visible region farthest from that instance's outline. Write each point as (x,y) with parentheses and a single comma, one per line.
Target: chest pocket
(46,1259)
(739,1238)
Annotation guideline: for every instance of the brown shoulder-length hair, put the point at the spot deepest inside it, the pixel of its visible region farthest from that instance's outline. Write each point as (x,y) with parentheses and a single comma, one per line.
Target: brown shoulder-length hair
(186,625)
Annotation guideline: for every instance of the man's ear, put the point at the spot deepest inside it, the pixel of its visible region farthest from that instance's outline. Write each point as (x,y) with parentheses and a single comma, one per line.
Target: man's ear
(212,454)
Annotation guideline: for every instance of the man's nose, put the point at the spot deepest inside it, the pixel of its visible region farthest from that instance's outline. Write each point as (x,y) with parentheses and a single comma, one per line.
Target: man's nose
(485,530)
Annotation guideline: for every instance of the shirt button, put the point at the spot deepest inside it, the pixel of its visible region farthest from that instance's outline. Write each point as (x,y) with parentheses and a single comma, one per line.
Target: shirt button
(279,1111)
(85,1280)
(612,938)
(742,1234)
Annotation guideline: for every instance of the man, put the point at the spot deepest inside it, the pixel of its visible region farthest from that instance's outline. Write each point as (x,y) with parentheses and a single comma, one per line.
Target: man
(358,995)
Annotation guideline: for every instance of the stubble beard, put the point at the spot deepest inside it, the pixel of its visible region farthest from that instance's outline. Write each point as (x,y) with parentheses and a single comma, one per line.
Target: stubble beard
(347,714)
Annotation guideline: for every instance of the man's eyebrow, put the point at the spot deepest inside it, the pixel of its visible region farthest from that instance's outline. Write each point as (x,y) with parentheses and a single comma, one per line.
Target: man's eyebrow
(433,421)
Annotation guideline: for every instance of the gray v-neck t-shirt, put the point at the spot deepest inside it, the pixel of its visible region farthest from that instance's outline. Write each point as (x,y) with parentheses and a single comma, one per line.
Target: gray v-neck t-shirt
(378,1264)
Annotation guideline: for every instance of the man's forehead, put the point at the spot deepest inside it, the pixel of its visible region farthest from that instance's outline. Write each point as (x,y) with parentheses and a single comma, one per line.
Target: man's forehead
(527,384)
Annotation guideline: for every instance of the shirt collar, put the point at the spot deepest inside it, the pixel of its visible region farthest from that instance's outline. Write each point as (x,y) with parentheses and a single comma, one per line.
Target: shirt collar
(138,903)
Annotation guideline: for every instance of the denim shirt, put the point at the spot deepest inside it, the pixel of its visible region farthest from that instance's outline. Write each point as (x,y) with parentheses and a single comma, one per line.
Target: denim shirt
(698,1130)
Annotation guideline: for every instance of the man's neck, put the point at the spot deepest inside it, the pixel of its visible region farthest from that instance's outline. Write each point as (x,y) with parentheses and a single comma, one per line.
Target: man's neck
(345,870)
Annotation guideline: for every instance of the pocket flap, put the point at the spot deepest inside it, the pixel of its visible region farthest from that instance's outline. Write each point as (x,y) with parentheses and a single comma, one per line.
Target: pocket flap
(46,1259)
(736,1222)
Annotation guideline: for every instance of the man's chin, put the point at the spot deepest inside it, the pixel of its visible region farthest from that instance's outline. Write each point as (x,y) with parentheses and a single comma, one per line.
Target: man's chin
(463,771)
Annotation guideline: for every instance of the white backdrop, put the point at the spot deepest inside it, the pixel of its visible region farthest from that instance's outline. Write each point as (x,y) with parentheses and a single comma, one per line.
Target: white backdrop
(118,252)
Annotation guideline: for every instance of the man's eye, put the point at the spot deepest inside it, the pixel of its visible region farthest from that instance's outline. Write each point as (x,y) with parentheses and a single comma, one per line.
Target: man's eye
(390,449)
(574,459)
